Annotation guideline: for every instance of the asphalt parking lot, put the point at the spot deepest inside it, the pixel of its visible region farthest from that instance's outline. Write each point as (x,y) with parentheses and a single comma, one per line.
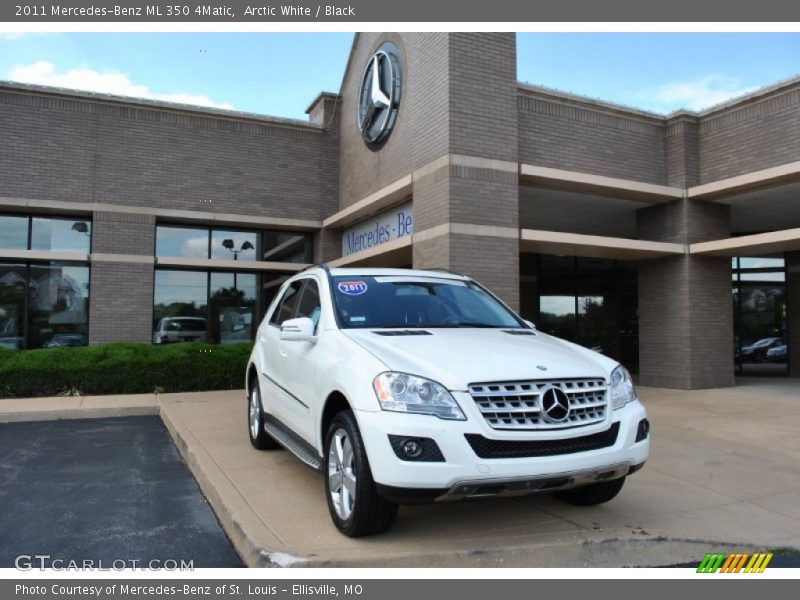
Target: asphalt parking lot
(105,489)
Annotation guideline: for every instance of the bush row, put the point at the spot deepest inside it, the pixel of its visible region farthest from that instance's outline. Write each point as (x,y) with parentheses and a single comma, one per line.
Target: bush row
(122,368)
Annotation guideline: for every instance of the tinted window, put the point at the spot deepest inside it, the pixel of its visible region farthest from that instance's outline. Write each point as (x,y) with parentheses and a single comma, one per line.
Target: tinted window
(184,242)
(309,303)
(236,245)
(64,235)
(288,304)
(232,304)
(180,294)
(287,246)
(401,301)
(13,232)
(58,304)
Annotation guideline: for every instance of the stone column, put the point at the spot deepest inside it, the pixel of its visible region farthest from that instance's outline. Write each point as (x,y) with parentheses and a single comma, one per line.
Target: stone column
(121,280)
(685,307)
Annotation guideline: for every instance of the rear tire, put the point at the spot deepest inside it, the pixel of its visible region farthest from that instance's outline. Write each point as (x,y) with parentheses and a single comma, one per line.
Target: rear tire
(259,438)
(596,493)
(355,506)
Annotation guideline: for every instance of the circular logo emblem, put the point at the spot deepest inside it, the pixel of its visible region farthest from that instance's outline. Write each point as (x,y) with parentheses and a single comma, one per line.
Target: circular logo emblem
(379,96)
(555,405)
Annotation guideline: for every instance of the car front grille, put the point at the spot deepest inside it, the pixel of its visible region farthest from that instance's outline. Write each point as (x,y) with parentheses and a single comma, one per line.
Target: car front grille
(518,405)
(488,448)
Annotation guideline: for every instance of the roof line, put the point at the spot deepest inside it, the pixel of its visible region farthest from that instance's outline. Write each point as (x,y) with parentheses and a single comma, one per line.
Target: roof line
(733,102)
(155,104)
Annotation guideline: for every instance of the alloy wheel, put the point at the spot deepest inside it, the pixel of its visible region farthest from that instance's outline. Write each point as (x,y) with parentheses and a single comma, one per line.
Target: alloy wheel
(342,474)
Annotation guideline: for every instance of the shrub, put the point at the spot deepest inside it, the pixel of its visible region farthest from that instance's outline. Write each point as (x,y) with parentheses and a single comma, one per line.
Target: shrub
(122,368)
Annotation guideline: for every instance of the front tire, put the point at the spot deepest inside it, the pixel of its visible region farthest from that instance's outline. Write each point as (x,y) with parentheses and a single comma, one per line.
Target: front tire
(355,506)
(595,493)
(259,438)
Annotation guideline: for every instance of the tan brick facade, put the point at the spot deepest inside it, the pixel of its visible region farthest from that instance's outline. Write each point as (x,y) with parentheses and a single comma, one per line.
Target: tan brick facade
(465,129)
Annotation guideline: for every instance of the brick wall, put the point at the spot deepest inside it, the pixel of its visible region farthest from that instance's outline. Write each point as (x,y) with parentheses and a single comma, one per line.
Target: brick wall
(574,136)
(756,134)
(685,310)
(63,148)
(123,233)
(121,302)
(421,131)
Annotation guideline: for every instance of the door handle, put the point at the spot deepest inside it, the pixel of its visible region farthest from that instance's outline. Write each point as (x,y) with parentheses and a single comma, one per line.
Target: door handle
(283,353)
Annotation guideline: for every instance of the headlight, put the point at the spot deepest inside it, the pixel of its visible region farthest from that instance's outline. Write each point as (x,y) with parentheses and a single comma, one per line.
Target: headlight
(622,390)
(399,392)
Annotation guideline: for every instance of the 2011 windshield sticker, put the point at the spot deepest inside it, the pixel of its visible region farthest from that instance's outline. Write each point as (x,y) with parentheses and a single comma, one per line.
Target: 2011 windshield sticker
(352,288)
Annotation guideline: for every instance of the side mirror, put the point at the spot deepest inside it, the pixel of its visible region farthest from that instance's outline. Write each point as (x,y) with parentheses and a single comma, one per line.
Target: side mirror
(529,324)
(298,330)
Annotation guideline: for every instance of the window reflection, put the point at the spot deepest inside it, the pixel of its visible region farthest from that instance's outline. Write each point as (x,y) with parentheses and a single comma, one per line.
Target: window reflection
(12,306)
(236,245)
(61,235)
(179,309)
(13,232)
(182,242)
(58,303)
(233,306)
(287,246)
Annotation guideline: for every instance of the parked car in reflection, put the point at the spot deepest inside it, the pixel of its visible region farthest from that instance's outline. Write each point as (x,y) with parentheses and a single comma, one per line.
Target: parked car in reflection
(778,353)
(180,329)
(62,340)
(12,343)
(757,352)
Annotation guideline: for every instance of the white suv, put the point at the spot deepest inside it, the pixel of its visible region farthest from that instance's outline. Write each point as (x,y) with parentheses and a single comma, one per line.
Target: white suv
(406,386)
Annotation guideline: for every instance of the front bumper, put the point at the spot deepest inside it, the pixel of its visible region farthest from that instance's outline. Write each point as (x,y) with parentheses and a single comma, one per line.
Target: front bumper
(463,473)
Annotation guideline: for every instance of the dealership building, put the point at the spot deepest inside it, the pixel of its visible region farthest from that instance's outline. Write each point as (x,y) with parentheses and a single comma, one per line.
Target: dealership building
(669,242)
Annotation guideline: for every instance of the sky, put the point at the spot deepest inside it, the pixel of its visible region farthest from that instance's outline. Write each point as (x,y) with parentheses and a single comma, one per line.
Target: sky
(279,74)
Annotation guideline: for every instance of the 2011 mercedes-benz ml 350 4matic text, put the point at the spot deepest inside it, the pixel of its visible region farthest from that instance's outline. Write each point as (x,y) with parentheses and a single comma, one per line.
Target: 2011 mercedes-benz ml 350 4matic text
(405,386)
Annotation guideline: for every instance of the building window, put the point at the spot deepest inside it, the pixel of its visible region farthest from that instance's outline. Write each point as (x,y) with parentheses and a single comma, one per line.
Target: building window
(13,232)
(236,245)
(287,246)
(54,234)
(203,306)
(61,235)
(760,315)
(231,244)
(182,242)
(44,305)
(592,302)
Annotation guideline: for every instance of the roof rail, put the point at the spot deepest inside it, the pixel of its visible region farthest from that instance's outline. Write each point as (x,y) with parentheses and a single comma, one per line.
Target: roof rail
(443,270)
(323,266)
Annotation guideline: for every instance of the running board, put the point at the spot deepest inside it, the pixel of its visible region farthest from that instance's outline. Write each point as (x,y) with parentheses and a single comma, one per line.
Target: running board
(292,442)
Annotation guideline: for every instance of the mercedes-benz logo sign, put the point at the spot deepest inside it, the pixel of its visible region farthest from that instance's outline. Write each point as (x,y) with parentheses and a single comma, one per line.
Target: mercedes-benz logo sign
(555,405)
(379,97)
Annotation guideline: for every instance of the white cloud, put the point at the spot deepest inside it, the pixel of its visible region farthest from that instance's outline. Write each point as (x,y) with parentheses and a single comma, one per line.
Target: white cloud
(695,95)
(107,82)
(12,35)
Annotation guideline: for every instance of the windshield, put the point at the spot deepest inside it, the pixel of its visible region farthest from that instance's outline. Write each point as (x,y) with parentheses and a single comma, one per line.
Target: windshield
(414,302)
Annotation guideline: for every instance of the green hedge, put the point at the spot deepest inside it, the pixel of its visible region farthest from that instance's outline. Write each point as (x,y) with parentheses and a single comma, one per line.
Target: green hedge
(122,368)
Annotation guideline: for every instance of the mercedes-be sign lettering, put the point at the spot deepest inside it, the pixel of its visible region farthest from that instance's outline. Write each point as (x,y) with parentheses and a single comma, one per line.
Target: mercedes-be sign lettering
(379,96)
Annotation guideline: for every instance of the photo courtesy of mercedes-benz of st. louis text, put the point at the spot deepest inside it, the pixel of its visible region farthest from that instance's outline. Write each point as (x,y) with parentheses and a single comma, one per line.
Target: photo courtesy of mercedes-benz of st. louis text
(409,386)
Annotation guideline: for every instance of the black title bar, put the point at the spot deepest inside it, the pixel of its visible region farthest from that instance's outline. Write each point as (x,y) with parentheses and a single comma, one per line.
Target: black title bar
(466,11)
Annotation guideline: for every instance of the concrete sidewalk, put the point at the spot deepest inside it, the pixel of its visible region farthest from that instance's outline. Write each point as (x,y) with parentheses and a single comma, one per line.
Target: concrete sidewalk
(76,407)
(723,475)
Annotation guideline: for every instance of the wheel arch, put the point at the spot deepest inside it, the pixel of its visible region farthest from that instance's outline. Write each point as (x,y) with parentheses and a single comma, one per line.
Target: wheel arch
(335,403)
(252,375)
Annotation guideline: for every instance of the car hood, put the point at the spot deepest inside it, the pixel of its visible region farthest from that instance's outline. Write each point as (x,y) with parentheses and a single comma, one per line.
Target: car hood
(458,357)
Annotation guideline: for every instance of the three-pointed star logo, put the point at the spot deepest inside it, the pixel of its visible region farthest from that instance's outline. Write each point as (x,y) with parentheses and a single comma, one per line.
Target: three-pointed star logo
(378,97)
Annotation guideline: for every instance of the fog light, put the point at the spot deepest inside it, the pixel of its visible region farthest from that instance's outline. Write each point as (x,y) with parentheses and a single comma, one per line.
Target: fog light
(643,430)
(412,448)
